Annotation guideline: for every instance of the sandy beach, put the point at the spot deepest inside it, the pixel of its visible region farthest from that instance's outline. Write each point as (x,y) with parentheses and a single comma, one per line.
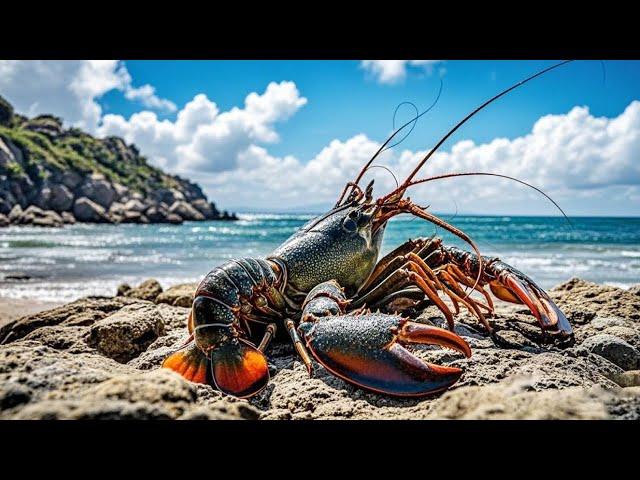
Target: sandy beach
(12,308)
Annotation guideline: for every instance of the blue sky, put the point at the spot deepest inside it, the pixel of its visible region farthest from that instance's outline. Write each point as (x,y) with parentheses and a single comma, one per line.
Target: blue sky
(344,101)
(320,118)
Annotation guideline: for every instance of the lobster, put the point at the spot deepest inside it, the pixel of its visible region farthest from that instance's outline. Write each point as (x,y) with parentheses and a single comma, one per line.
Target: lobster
(323,284)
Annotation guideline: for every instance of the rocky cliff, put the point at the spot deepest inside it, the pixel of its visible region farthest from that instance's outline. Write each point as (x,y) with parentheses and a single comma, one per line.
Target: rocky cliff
(50,176)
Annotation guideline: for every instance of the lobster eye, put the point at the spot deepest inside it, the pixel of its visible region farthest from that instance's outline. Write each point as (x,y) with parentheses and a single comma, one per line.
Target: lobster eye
(350,225)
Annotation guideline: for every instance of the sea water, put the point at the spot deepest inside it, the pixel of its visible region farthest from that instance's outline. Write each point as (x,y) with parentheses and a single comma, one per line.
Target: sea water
(64,264)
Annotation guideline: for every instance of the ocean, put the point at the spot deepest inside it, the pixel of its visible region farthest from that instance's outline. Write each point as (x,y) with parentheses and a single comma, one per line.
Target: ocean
(68,263)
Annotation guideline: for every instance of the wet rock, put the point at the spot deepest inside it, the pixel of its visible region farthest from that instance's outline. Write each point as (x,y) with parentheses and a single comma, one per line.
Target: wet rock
(84,210)
(178,295)
(4,220)
(125,334)
(186,211)
(134,205)
(174,219)
(615,350)
(147,290)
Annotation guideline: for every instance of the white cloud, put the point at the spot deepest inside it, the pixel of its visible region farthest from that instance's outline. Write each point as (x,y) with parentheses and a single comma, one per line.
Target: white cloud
(394,71)
(71,88)
(574,157)
(203,139)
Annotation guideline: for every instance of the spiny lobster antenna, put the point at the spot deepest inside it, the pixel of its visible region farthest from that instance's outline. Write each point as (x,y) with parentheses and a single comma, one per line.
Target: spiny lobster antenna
(465,119)
(488,174)
(382,147)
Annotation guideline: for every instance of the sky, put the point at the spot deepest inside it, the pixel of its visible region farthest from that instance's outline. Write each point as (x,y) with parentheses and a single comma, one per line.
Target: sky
(287,135)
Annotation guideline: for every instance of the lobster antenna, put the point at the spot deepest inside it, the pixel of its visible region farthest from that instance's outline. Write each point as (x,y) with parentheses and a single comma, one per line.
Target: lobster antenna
(469,174)
(464,120)
(382,147)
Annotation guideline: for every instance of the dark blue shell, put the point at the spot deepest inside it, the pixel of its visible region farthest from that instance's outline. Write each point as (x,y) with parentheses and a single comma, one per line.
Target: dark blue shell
(325,250)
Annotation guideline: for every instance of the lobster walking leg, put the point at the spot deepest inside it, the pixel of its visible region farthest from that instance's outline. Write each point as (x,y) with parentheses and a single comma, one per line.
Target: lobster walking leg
(508,284)
(368,350)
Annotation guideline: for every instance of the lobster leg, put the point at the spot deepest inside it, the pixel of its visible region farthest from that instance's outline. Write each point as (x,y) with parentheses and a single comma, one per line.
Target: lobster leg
(368,350)
(508,284)
(410,269)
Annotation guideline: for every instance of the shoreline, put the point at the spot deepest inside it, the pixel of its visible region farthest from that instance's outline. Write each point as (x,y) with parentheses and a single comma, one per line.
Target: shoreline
(12,308)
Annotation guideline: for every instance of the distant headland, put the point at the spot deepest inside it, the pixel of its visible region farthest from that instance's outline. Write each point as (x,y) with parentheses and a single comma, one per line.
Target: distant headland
(51,176)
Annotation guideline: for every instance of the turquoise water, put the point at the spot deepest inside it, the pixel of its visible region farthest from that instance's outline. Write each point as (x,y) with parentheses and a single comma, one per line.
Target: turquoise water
(79,260)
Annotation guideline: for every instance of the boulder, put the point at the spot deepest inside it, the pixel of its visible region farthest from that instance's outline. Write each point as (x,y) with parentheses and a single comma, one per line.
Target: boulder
(178,295)
(85,210)
(615,350)
(174,219)
(186,211)
(121,191)
(15,214)
(126,333)
(205,208)
(71,179)
(134,205)
(4,220)
(147,290)
(60,198)
(156,214)
(68,218)
(98,189)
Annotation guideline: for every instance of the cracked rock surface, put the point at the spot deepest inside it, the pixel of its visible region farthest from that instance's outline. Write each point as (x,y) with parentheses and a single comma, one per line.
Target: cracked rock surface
(99,358)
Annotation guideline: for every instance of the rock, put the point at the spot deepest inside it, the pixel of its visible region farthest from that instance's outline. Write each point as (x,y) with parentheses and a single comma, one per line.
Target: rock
(204,208)
(60,199)
(133,217)
(81,312)
(615,350)
(186,211)
(174,219)
(126,333)
(512,400)
(68,363)
(6,111)
(46,124)
(134,205)
(99,190)
(178,295)
(19,276)
(147,290)
(84,210)
(168,195)
(123,288)
(4,220)
(71,179)
(156,214)
(121,191)
(15,214)
(68,218)
(630,378)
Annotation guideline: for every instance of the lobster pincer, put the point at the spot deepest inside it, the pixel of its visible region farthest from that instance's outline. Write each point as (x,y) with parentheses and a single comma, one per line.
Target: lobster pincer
(368,349)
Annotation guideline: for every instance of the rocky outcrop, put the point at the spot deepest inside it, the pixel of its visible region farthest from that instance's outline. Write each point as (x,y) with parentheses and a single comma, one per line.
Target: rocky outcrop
(59,170)
(84,210)
(99,358)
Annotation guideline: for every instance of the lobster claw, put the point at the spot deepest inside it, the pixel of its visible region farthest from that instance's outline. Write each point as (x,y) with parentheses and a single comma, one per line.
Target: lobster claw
(239,369)
(367,351)
(514,286)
